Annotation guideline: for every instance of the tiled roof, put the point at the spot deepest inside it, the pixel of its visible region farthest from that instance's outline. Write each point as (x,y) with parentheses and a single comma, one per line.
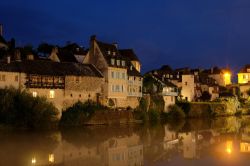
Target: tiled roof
(129,53)
(51,68)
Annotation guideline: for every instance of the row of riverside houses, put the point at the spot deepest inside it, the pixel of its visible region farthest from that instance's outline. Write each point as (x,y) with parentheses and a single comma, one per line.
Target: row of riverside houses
(189,84)
(65,75)
(194,84)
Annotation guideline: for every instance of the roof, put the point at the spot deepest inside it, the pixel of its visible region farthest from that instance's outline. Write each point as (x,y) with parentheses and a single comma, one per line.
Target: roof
(133,72)
(129,53)
(109,52)
(244,69)
(51,68)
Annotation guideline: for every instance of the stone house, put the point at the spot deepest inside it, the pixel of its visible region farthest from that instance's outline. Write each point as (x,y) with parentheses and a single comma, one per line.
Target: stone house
(123,82)
(63,84)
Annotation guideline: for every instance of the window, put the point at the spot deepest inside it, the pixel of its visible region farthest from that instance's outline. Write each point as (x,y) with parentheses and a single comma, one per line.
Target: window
(113,53)
(172,98)
(112,62)
(117,88)
(71,95)
(16,78)
(112,74)
(186,83)
(2,77)
(117,75)
(118,62)
(139,88)
(51,94)
(123,76)
(123,63)
(108,52)
(34,94)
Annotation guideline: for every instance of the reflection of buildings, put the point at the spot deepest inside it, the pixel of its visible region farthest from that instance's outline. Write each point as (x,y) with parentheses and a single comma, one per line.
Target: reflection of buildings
(170,139)
(124,151)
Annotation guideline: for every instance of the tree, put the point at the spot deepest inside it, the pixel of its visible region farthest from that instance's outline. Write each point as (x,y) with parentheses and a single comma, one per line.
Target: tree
(206,96)
(45,48)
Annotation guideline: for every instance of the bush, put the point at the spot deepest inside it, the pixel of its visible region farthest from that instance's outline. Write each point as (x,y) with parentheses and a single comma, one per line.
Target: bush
(20,109)
(79,113)
(175,112)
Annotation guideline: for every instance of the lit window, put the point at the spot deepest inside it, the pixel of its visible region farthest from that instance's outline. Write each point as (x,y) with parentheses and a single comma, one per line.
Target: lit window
(123,63)
(34,94)
(108,52)
(51,94)
(51,158)
(118,62)
(33,161)
(113,53)
(112,62)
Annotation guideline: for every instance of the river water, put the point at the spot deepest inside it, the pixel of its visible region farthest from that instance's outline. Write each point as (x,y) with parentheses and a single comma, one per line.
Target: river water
(223,141)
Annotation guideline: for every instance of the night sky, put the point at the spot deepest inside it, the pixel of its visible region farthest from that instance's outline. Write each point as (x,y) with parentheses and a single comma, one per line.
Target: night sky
(181,33)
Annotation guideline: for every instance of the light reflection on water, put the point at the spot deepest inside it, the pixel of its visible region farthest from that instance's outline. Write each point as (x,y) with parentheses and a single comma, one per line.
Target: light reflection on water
(224,141)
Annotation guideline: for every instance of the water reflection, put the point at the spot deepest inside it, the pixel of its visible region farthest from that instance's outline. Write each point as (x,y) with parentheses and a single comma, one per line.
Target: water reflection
(224,141)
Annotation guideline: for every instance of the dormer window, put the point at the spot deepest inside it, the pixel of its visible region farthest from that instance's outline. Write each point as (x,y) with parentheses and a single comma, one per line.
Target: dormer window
(112,62)
(108,52)
(118,62)
(131,67)
(123,63)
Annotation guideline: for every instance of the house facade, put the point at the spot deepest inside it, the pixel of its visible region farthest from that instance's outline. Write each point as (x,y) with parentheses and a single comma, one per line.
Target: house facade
(123,83)
(63,84)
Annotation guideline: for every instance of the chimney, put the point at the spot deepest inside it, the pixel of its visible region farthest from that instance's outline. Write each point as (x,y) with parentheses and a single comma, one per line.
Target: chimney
(93,38)
(1,29)
(116,45)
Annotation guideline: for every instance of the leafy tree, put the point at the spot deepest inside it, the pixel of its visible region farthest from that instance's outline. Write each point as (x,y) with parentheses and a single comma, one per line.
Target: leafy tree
(206,96)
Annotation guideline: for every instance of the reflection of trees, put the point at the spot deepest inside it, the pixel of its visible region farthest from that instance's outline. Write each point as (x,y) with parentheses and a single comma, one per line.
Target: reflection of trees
(17,148)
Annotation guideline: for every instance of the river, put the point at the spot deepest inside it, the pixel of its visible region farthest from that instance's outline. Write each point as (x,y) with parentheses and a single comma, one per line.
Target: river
(223,141)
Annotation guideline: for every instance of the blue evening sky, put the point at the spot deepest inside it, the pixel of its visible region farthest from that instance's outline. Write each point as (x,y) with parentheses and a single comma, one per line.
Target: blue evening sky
(194,33)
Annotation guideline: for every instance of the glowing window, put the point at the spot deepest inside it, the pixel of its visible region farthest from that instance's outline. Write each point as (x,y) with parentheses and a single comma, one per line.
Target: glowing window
(34,94)
(51,94)
(51,158)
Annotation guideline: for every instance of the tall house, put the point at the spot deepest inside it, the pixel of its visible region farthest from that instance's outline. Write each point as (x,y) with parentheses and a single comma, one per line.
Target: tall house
(188,87)
(123,82)
(244,75)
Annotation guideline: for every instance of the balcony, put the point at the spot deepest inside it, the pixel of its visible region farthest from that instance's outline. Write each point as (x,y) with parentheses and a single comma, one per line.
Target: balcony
(169,91)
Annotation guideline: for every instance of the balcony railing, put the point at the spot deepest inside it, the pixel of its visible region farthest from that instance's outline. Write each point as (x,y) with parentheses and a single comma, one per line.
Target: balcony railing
(169,93)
